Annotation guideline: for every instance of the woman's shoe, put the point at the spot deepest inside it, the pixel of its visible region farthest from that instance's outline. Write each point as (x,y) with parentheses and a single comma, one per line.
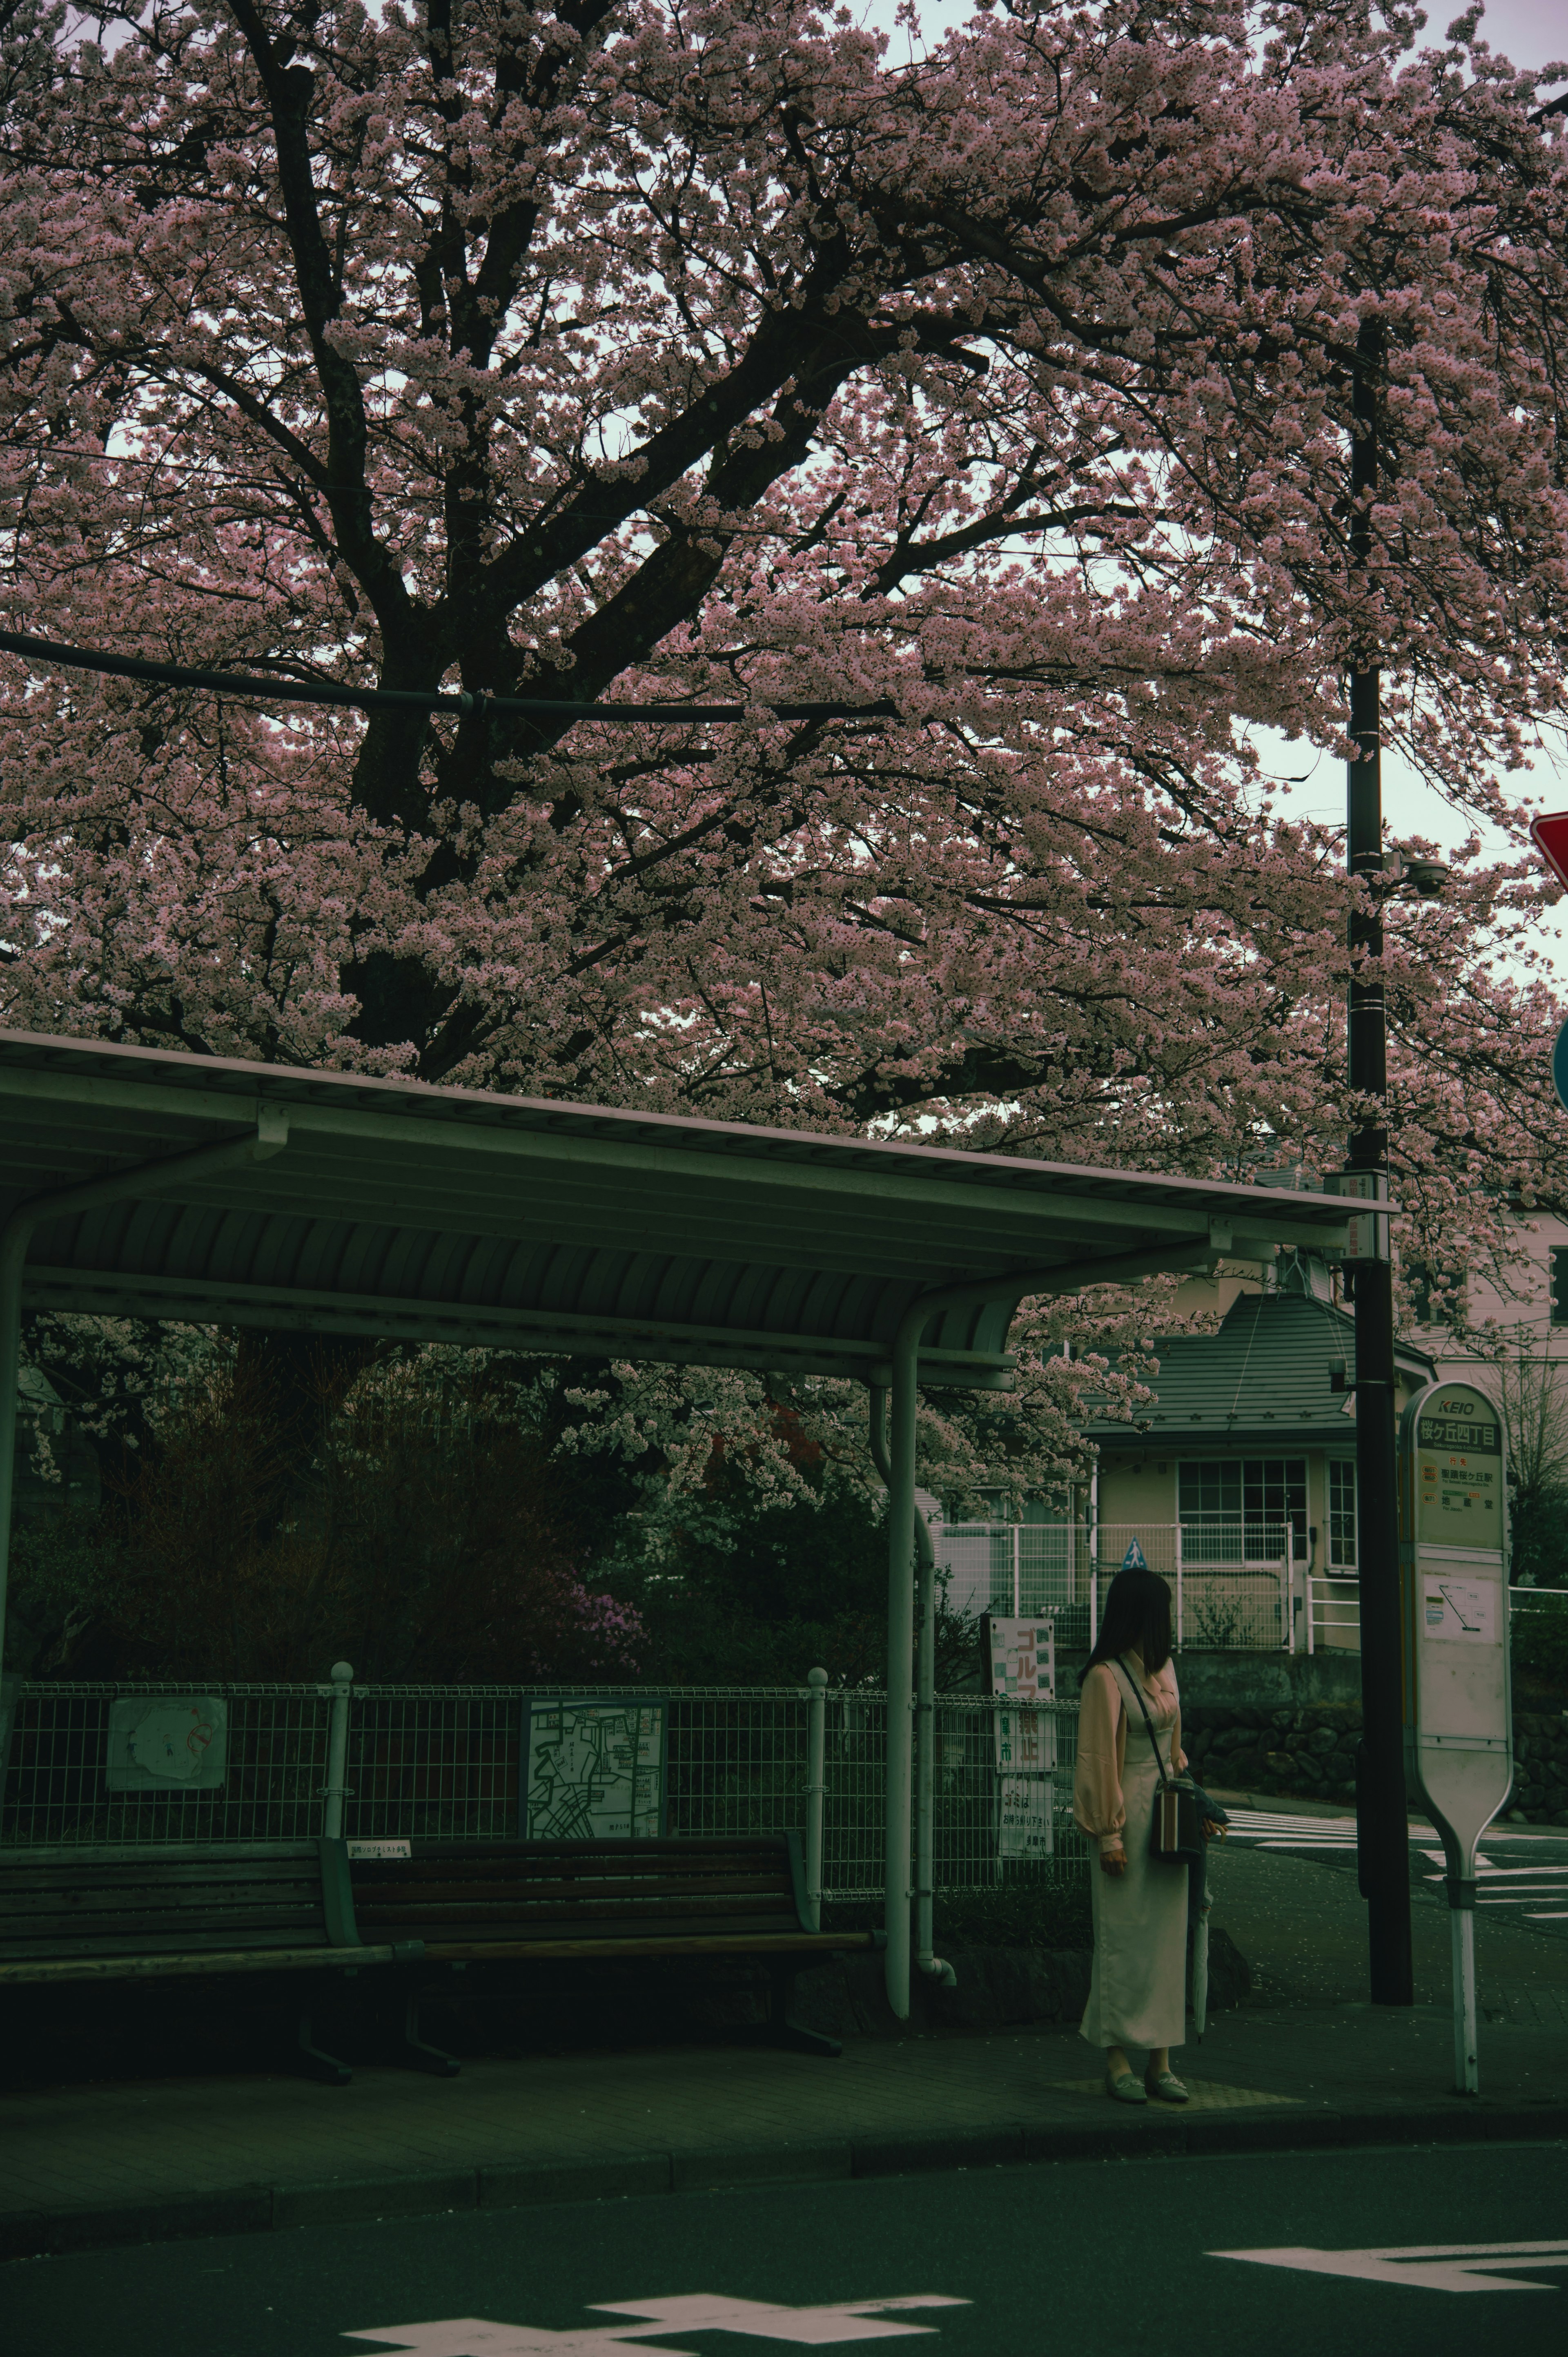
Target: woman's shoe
(1163,2087)
(1124,2089)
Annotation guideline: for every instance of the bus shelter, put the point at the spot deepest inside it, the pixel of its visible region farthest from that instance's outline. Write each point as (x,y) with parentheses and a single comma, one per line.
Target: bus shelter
(146,1183)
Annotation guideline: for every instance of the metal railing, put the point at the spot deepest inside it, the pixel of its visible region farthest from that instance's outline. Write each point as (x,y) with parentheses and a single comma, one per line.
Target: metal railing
(1333,1615)
(98,1768)
(1235,1586)
(1333,1619)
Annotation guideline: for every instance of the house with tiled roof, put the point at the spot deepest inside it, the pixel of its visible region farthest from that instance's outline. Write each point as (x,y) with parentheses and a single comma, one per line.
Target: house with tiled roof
(1245,1462)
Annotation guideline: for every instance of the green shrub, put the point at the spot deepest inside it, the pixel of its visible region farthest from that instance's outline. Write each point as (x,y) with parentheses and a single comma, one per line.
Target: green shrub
(1540,1638)
(1032,1909)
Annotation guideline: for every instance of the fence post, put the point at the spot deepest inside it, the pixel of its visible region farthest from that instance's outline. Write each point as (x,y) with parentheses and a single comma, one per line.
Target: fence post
(1017,1607)
(1093,1608)
(1307,1583)
(816,1789)
(1178,1591)
(338,1751)
(1287,1600)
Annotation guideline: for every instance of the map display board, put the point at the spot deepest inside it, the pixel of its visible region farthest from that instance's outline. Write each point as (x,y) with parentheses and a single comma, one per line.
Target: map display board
(1021,1670)
(593,1769)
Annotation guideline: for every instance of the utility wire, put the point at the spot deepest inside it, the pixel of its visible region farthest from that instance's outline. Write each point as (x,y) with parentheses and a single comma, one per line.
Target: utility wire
(408,699)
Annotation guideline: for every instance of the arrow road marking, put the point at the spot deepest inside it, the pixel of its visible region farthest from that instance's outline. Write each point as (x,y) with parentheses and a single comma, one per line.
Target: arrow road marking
(1431,2267)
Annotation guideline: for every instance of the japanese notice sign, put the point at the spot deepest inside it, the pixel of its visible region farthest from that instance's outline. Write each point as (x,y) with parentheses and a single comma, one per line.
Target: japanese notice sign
(1459,1474)
(1021,1671)
(1020,1657)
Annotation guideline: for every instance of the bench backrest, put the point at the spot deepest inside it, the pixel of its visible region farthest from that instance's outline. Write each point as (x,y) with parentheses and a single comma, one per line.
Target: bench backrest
(171,1905)
(750,1884)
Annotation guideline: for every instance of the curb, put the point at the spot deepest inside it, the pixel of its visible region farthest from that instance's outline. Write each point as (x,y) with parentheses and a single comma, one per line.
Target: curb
(510,2185)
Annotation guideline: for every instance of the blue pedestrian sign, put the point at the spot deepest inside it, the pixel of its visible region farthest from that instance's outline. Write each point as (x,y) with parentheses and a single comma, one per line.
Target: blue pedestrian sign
(1134,1559)
(1560,1066)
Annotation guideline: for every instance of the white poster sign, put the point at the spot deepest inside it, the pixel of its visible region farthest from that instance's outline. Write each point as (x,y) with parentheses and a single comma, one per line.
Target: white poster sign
(167,1743)
(1460,1611)
(1021,1670)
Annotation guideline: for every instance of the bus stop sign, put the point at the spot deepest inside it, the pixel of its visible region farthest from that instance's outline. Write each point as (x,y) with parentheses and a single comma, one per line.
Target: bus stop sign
(1459,1728)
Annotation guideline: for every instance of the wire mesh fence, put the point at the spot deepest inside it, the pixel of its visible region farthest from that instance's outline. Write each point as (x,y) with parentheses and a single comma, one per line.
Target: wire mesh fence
(100,1767)
(1233,1583)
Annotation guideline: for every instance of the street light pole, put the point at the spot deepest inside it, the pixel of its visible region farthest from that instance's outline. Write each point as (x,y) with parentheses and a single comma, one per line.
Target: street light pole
(1381,1839)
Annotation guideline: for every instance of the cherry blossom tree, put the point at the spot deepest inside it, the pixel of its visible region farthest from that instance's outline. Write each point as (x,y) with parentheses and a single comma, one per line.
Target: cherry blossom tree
(628,352)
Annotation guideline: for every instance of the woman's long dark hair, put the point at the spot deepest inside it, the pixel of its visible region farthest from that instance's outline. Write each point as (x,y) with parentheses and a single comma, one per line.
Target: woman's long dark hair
(1136,1619)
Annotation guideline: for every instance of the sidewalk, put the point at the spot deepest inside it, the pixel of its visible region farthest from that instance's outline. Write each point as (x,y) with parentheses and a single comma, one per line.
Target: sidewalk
(89,2166)
(1306,2062)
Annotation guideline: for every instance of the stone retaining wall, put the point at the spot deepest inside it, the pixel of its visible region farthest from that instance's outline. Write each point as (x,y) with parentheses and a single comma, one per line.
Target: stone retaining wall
(1310,1753)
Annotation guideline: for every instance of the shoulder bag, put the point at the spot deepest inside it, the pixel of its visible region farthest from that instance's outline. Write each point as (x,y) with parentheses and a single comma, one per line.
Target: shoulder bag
(1176,1837)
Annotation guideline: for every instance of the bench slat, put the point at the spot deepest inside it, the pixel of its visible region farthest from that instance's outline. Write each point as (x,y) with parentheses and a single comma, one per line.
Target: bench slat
(187,1961)
(445,1888)
(659,1944)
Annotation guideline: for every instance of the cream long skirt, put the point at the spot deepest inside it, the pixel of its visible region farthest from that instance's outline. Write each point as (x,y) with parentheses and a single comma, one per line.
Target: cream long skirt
(1137,1994)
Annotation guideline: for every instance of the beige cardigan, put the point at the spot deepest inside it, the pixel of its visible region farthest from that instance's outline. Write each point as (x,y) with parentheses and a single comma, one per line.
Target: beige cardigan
(1097,1803)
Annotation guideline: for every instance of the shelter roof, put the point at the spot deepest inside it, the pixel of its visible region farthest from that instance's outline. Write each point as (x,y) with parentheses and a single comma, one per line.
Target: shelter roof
(387,1207)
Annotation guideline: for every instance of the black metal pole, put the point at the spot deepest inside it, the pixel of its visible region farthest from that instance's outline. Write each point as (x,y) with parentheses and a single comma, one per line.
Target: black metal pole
(1381,1839)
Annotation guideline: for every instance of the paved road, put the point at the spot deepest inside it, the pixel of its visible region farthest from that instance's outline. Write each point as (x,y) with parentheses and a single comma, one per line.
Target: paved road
(1366,2249)
(1523,1873)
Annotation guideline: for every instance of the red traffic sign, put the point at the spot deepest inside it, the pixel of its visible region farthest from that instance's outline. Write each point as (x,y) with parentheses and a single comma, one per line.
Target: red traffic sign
(1550,835)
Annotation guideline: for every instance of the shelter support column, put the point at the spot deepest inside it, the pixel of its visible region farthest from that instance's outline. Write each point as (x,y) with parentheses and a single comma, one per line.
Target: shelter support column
(900,1661)
(895,1463)
(13,1250)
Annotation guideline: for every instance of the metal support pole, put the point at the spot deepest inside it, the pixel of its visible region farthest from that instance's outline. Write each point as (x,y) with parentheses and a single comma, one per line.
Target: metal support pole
(1110,1268)
(1382,1834)
(1462,1942)
(337,1751)
(1017,1607)
(900,1664)
(1179,1619)
(926,1752)
(11,1261)
(268,1137)
(816,1790)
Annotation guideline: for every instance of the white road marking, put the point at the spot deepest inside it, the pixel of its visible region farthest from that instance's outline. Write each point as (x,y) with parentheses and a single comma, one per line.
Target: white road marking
(761,2320)
(481,2336)
(1425,2266)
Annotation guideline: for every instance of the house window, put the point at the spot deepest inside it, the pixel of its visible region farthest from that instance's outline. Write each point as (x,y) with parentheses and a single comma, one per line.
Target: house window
(1437,1295)
(1557,1270)
(1238,1504)
(1341,1516)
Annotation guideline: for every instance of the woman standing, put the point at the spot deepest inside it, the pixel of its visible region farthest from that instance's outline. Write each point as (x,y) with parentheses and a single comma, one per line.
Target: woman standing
(1138,1991)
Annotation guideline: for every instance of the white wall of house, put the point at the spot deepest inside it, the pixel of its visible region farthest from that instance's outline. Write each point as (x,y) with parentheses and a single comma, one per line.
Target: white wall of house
(1518,1304)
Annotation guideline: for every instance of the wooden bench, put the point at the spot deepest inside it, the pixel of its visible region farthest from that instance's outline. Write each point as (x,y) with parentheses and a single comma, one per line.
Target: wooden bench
(498,1902)
(138,1918)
